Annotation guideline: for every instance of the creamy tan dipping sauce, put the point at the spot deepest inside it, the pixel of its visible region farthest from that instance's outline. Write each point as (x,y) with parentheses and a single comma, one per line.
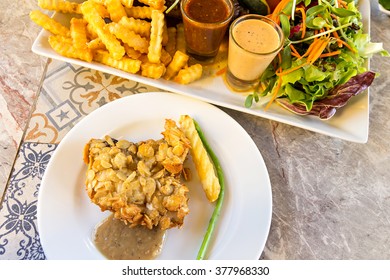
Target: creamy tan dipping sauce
(256,42)
(117,241)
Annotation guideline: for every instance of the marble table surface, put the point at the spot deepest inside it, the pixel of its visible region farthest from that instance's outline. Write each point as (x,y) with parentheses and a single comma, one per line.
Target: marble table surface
(331,198)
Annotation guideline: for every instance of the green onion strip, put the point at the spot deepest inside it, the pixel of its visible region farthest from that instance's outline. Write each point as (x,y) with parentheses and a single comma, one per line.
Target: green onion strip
(321,34)
(218,205)
(293,9)
(172,6)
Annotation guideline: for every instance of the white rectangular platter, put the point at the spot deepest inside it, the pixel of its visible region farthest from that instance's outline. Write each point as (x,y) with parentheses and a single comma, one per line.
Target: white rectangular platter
(350,123)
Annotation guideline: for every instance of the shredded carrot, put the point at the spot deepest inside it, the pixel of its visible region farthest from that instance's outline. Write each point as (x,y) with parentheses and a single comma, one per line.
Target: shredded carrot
(302,10)
(314,51)
(291,69)
(294,51)
(262,86)
(315,54)
(221,71)
(275,91)
(275,14)
(312,46)
(296,55)
(280,7)
(342,4)
(333,16)
(280,57)
(336,35)
(330,54)
(346,45)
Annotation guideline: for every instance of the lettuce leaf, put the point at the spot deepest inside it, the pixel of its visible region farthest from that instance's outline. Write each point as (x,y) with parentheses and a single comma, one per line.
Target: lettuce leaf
(336,98)
(366,48)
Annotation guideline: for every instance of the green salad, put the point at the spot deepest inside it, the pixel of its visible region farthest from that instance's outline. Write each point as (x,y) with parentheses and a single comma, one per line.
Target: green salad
(323,62)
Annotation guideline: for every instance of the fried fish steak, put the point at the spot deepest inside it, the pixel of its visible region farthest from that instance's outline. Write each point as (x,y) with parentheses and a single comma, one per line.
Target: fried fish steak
(140,182)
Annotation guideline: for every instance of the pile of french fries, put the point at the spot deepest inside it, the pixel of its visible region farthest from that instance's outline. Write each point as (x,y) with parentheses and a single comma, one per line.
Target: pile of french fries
(134,39)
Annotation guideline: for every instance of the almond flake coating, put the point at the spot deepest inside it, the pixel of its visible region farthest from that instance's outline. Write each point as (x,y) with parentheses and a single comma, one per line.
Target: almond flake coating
(140,182)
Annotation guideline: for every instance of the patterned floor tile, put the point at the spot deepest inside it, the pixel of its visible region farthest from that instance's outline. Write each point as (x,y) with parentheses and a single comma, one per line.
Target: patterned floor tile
(69,93)
(19,238)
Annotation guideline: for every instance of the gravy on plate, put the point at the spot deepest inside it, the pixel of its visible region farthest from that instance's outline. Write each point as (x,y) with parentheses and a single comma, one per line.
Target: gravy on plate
(117,241)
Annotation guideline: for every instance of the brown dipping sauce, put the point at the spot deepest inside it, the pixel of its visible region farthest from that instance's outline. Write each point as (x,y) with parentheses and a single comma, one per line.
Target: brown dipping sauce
(205,24)
(117,241)
(208,11)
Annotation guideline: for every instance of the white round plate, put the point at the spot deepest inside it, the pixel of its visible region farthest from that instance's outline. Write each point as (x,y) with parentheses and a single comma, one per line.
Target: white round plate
(67,218)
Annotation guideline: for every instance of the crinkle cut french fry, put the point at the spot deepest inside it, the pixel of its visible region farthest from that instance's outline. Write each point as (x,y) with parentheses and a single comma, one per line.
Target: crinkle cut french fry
(171,44)
(101,2)
(180,40)
(115,9)
(189,74)
(78,32)
(63,39)
(91,33)
(155,4)
(152,70)
(139,12)
(127,3)
(101,8)
(165,58)
(62,6)
(64,47)
(125,64)
(165,38)
(49,24)
(144,58)
(179,60)
(155,45)
(129,37)
(117,51)
(91,15)
(131,52)
(96,44)
(139,26)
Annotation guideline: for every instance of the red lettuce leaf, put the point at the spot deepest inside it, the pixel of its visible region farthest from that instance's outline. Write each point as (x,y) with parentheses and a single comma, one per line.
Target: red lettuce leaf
(336,98)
